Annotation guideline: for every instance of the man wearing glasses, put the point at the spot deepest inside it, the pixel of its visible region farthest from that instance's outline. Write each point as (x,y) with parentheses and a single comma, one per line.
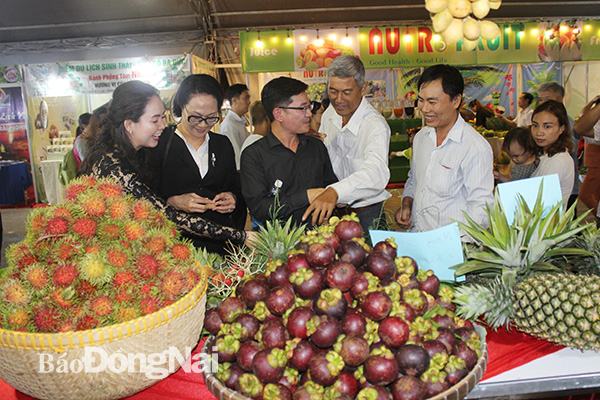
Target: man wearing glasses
(283,172)
(234,124)
(358,141)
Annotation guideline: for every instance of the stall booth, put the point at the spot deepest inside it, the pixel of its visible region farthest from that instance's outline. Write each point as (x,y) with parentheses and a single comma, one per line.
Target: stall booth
(58,93)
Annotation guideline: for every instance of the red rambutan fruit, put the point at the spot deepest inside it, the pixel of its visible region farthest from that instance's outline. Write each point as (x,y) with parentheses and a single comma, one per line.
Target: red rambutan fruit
(37,276)
(46,319)
(133,231)
(110,190)
(84,227)
(124,279)
(18,317)
(92,204)
(15,293)
(181,252)
(73,190)
(85,289)
(173,284)
(62,297)
(65,274)
(149,305)
(141,210)
(101,306)
(117,258)
(118,208)
(147,266)
(86,322)
(57,226)
(109,231)
(127,313)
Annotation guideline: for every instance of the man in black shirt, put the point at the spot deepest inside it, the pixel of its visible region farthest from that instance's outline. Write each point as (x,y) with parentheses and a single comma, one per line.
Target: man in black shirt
(286,168)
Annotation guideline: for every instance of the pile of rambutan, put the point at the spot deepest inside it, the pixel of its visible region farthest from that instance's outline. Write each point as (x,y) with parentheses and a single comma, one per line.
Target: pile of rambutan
(100,258)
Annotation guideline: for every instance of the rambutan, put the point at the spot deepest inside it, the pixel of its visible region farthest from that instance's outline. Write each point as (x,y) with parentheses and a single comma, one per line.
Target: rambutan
(109,189)
(173,284)
(149,305)
(56,226)
(125,294)
(92,204)
(124,279)
(46,319)
(127,313)
(94,269)
(66,249)
(63,297)
(37,276)
(86,322)
(36,220)
(64,274)
(155,243)
(181,252)
(15,293)
(117,258)
(18,317)
(74,189)
(147,266)
(150,289)
(118,208)
(84,289)
(133,231)
(92,249)
(62,211)
(88,180)
(109,231)
(142,210)
(84,227)
(66,326)
(101,306)
(20,255)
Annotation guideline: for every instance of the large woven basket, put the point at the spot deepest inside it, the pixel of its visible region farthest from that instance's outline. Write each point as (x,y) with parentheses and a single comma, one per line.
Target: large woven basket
(456,392)
(24,355)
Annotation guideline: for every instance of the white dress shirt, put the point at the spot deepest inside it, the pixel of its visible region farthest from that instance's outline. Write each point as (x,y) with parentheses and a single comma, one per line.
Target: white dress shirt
(447,180)
(234,127)
(523,119)
(561,164)
(359,154)
(200,155)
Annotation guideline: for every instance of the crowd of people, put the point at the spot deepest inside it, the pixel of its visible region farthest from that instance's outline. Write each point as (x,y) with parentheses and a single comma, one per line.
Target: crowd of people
(307,160)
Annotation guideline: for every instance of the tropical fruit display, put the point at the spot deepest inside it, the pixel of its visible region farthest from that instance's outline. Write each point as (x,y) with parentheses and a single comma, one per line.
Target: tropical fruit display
(313,57)
(517,280)
(100,258)
(338,319)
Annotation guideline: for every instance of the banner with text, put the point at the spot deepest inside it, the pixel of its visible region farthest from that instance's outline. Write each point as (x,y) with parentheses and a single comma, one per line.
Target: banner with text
(417,46)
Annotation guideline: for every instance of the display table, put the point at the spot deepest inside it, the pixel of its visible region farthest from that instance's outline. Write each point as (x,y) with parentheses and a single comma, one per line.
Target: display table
(15,178)
(519,366)
(50,174)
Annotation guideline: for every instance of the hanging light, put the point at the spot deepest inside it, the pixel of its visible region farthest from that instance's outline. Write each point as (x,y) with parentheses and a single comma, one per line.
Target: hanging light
(346,41)
(319,42)
(259,42)
(522,30)
(407,37)
(289,39)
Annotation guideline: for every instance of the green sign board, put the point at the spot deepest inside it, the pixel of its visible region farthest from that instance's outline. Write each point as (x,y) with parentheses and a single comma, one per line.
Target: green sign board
(267,51)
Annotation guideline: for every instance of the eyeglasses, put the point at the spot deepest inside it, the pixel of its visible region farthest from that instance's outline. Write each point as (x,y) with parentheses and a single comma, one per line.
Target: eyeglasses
(197,120)
(312,107)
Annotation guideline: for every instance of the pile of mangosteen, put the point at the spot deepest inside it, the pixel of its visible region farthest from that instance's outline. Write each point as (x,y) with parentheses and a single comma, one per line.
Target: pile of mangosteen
(339,320)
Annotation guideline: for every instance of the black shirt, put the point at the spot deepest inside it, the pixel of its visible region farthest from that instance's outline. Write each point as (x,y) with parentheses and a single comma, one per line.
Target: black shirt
(268,161)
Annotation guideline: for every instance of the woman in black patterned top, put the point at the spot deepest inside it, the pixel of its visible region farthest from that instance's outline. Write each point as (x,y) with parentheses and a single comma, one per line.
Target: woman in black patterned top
(134,123)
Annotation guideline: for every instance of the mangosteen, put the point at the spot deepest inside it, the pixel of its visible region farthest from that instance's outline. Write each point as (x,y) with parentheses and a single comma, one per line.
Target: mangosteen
(301,246)
(408,388)
(435,382)
(296,321)
(416,299)
(279,300)
(380,265)
(278,277)
(230,308)
(295,262)
(325,368)
(354,324)
(360,286)
(227,348)
(387,246)
(443,318)
(428,282)
(446,336)
(407,265)
(254,290)
(466,333)
(276,391)
(434,347)
(354,350)
(268,365)
(308,282)
(246,354)
(346,384)
(250,324)
(348,228)
(408,282)
(352,252)
(463,351)
(250,386)
(324,330)
(290,378)
(262,313)
(301,355)
(374,393)
(456,370)
(404,311)
(320,254)
(331,302)
(340,275)
(272,334)
(393,331)
(412,359)
(376,305)
(212,321)
(332,239)
(381,368)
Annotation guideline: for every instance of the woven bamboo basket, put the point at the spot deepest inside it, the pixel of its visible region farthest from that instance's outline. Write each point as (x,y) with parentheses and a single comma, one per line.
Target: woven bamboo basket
(456,392)
(25,356)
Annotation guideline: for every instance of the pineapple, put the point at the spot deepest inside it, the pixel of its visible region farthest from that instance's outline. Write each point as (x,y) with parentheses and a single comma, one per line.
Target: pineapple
(524,288)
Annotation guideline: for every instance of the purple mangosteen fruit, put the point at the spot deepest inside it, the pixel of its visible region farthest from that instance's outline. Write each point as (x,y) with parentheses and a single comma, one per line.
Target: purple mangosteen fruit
(387,246)
(301,355)
(212,321)
(230,308)
(340,275)
(331,302)
(320,254)
(465,333)
(380,265)
(456,370)
(354,350)
(404,311)
(407,265)
(227,348)
(376,305)
(308,282)
(428,281)
(278,276)
(446,336)
(246,354)
(324,330)
(276,391)
(416,299)
(295,262)
(360,286)
(348,228)
(463,351)
(325,368)
(269,364)
(280,299)
(408,388)
(393,331)
(229,374)
(412,359)
(290,378)
(272,334)
(434,347)
(250,386)
(250,325)
(346,384)
(296,321)
(444,318)
(354,323)
(332,239)
(374,393)
(254,290)
(435,382)
(352,252)
(381,368)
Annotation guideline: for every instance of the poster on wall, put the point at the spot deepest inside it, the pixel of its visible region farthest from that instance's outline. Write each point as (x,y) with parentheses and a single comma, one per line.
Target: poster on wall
(10,74)
(493,86)
(536,74)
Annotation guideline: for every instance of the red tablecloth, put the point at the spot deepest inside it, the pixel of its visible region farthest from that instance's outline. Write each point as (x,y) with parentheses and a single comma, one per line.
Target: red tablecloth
(506,350)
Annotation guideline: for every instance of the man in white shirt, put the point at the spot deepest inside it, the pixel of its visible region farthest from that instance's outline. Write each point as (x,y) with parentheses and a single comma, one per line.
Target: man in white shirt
(234,124)
(452,165)
(358,140)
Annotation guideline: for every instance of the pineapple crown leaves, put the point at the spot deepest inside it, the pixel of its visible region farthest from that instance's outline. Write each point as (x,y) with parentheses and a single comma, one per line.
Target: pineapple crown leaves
(535,236)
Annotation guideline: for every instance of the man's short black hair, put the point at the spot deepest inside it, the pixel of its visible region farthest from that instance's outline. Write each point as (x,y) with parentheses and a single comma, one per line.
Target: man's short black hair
(279,92)
(452,81)
(529,97)
(235,91)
